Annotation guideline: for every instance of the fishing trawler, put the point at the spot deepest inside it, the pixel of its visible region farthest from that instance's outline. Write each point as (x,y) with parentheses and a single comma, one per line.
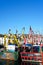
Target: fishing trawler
(31,46)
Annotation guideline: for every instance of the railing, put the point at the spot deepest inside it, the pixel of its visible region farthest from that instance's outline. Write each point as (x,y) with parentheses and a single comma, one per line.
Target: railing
(32,58)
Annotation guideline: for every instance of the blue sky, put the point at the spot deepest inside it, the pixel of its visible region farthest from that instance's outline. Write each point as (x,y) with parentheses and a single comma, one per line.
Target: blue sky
(16,14)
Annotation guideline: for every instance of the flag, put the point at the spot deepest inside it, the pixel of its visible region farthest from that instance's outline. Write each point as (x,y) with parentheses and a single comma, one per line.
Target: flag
(31,31)
(25,41)
(9,31)
(16,31)
(23,30)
